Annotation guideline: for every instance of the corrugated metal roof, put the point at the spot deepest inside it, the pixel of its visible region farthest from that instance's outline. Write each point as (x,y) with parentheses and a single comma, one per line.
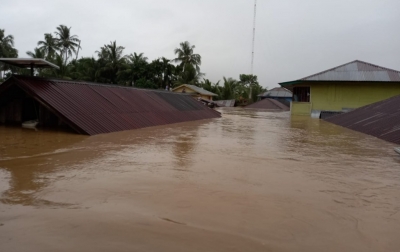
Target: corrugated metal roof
(381,119)
(197,89)
(225,103)
(23,62)
(269,104)
(94,109)
(277,92)
(354,71)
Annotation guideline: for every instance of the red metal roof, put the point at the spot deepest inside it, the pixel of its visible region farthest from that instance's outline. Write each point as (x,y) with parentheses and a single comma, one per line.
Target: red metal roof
(95,109)
(269,104)
(381,119)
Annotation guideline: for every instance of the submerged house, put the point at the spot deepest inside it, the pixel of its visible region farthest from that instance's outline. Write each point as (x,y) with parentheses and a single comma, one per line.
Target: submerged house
(269,104)
(343,88)
(279,93)
(90,108)
(194,91)
(380,119)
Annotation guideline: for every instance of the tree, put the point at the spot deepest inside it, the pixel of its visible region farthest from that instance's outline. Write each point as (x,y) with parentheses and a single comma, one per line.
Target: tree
(66,42)
(189,76)
(249,80)
(7,50)
(49,45)
(6,45)
(135,68)
(111,56)
(185,56)
(37,53)
(168,72)
(229,88)
(212,87)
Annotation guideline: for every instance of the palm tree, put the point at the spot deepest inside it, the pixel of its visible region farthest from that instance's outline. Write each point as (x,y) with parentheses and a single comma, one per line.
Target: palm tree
(186,56)
(214,88)
(137,58)
(135,68)
(66,42)
(189,76)
(113,60)
(248,80)
(168,70)
(7,50)
(6,45)
(229,88)
(87,69)
(37,53)
(62,72)
(49,45)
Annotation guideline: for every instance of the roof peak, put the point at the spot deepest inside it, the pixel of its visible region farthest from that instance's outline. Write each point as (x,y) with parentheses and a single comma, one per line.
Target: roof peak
(352,62)
(354,71)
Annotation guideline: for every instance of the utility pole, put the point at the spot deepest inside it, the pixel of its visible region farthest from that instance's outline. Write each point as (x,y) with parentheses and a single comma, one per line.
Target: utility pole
(254,36)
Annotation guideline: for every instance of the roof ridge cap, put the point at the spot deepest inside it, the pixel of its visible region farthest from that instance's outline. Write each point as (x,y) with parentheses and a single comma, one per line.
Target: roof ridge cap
(354,61)
(328,70)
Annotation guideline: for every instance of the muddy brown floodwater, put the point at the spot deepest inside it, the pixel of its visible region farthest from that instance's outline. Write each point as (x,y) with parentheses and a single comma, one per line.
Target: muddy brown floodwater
(249,181)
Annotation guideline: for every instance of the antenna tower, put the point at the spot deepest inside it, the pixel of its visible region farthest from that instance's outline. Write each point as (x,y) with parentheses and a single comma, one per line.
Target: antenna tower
(254,35)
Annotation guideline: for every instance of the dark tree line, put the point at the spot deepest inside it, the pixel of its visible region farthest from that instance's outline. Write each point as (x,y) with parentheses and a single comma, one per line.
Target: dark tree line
(113,66)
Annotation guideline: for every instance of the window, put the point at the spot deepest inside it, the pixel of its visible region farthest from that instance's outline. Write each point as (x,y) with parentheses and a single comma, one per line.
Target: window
(301,94)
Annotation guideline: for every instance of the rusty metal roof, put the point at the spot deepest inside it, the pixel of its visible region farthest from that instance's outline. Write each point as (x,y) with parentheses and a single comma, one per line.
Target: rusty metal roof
(269,104)
(92,109)
(381,119)
(277,92)
(354,71)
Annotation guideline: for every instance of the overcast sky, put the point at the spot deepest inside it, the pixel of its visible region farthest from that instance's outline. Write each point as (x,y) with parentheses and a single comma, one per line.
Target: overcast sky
(294,38)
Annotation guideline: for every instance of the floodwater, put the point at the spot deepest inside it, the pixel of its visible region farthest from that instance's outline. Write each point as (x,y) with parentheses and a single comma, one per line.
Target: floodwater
(249,181)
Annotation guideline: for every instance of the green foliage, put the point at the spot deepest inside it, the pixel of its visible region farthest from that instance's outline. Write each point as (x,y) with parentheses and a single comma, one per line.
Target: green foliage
(114,67)
(7,50)
(189,76)
(112,60)
(49,46)
(144,83)
(65,42)
(189,63)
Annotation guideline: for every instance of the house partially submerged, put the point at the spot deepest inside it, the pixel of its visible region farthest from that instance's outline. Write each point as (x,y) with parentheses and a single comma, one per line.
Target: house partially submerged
(194,91)
(269,104)
(343,88)
(90,108)
(280,94)
(381,119)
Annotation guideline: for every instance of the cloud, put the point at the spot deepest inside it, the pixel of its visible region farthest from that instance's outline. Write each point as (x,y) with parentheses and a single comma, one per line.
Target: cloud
(294,38)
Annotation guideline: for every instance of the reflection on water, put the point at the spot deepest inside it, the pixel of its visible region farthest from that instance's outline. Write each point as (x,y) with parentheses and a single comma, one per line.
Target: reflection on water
(261,175)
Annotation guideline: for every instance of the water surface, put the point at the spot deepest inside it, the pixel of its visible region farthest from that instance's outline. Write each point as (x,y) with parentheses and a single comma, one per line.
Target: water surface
(249,181)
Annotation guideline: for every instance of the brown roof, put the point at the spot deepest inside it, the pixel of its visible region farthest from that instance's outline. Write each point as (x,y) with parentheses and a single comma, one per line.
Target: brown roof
(381,119)
(269,104)
(92,109)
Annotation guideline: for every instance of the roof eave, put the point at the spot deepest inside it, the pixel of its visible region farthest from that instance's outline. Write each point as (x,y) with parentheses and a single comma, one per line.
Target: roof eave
(290,83)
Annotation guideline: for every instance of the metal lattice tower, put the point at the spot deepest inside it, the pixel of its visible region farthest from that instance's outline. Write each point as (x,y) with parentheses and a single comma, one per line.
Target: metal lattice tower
(254,35)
